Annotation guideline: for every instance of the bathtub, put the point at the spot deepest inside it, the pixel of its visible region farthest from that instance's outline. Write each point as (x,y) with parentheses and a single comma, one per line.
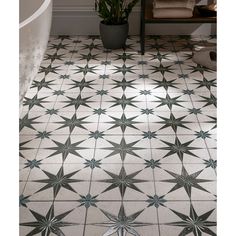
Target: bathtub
(35,25)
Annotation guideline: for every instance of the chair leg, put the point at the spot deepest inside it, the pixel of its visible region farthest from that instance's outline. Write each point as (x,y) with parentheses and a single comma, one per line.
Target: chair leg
(142,27)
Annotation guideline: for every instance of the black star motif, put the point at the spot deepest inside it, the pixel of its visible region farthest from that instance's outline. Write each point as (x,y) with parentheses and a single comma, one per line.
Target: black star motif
(26,122)
(58,46)
(165,83)
(145,92)
(82,84)
(123,122)
(143,76)
(58,181)
(43,134)
(34,101)
(211,163)
(88,200)
(188,92)
(73,51)
(49,224)
(93,163)
(106,63)
(179,148)
(169,101)
(48,69)
(178,62)
(122,224)
(156,201)
(23,200)
(147,111)
(149,134)
(159,56)
(194,223)
(123,148)
(195,111)
(99,111)
(124,56)
(32,164)
(41,84)
(66,148)
(58,92)
(69,63)
(54,57)
(96,134)
(124,69)
(85,69)
(64,76)
(103,76)
(202,134)
(199,68)
(78,101)
(162,69)
(142,63)
(88,57)
(124,101)
(124,84)
(73,122)
(152,163)
(173,122)
(206,83)
(123,181)
(183,76)
(186,181)
(102,92)
(52,111)
(209,100)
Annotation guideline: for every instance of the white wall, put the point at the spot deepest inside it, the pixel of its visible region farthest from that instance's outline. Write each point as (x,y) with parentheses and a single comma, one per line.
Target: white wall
(78,17)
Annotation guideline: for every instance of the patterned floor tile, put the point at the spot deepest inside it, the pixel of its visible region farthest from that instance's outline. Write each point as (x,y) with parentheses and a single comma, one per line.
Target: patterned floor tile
(113,142)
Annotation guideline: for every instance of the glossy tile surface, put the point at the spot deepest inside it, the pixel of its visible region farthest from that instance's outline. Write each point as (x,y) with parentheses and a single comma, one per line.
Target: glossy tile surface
(116,143)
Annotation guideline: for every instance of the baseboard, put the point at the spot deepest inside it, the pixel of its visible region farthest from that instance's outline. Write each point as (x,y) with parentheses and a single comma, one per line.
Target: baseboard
(76,20)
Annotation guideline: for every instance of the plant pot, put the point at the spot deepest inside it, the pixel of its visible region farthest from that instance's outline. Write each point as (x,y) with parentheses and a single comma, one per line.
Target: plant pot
(114,36)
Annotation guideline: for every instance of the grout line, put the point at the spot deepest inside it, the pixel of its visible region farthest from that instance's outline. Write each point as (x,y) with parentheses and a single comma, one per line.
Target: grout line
(91,176)
(153,174)
(150,148)
(199,123)
(104,200)
(45,122)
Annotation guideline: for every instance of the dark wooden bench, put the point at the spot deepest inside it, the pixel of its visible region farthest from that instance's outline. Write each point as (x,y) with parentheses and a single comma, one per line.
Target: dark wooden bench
(147,18)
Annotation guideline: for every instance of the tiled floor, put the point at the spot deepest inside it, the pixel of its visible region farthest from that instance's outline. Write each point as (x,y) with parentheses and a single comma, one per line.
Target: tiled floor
(116,143)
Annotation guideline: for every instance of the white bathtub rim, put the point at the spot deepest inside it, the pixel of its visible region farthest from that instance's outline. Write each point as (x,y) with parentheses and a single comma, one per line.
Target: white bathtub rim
(36,14)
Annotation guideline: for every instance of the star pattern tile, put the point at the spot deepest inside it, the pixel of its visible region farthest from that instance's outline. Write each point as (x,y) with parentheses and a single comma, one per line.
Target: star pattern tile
(194,223)
(123,181)
(186,181)
(173,122)
(120,141)
(66,148)
(123,148)
(122,224)
(48,224)
(58,181)
(123,122)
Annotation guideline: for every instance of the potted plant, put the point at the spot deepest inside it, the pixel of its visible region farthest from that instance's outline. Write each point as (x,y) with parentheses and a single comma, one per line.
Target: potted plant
(114,26)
